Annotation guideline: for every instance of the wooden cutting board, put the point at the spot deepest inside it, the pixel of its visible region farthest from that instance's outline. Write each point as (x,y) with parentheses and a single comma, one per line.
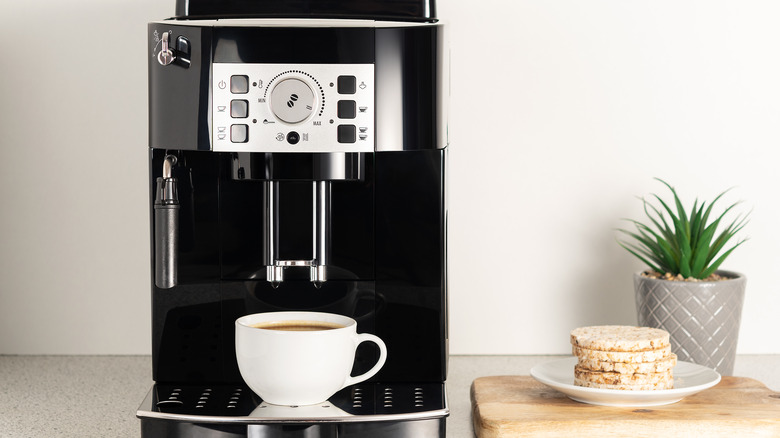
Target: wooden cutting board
(519,406)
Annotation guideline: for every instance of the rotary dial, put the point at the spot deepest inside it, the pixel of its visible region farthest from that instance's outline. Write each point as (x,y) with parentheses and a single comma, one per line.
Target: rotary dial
(292,100)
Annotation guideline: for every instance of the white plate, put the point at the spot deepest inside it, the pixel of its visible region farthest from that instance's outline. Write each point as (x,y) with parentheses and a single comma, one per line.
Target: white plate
(689,378)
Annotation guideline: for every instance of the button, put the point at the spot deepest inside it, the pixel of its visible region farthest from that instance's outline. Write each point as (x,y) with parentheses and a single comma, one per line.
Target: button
(346,84)
(239,133)
(239,84)
(183,52)
(346,109)
(239,109)
(293,137)
(183,46)
(346,133)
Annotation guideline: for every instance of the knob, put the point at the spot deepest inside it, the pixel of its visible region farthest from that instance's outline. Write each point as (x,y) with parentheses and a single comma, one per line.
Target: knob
(166,56)
(292,100)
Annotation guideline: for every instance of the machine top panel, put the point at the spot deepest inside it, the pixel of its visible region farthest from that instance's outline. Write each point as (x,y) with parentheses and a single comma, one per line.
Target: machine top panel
(419,10)
(293,22)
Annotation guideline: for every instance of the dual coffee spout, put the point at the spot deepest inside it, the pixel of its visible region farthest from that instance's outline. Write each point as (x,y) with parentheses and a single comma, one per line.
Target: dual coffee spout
(320,235)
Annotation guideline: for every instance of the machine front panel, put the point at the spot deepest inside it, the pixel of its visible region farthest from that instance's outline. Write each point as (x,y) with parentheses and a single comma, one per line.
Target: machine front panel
(297,162)
(292,107)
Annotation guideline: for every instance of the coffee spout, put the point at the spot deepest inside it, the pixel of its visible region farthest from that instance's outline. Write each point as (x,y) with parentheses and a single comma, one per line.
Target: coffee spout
(317,274)
(274,275)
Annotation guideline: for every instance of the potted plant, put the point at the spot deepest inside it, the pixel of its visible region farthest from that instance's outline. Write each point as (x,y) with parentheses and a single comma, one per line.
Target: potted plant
(684,292)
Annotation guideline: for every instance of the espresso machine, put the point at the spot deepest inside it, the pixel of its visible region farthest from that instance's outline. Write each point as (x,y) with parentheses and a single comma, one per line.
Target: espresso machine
(297,156)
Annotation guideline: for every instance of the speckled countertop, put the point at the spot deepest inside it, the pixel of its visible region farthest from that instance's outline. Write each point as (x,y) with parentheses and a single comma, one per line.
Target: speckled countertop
(97,396)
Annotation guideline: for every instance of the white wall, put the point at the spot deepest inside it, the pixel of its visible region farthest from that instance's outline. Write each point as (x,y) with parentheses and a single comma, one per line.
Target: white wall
(561,113)
(74,233)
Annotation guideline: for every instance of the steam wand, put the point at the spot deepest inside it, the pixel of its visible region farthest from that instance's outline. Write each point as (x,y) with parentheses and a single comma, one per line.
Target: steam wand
(166,226)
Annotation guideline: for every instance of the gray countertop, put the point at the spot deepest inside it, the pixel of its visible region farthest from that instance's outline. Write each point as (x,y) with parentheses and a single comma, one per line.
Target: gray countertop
(97,396)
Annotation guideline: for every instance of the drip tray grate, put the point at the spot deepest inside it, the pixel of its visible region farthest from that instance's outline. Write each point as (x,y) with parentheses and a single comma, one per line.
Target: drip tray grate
(228,401)
(204,400)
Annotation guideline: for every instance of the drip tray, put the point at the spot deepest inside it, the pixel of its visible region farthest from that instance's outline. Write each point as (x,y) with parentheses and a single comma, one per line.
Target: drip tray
(238,404)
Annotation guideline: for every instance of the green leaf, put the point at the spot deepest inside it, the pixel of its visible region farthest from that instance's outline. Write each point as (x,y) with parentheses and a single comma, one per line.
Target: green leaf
(653,267)
(672,239)
(665,230)
(650,255)
(712,204)
(683,218)
(655,244)
(701,252)
(724,237)
(714,266)
(695,224)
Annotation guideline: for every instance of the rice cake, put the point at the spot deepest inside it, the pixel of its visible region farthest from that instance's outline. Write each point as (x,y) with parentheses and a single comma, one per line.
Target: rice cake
(668,384)
(619,338)
(622,356)
(630,367)
(613,378)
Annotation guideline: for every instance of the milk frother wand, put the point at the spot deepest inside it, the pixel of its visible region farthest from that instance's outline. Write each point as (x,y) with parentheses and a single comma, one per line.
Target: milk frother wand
(166,221)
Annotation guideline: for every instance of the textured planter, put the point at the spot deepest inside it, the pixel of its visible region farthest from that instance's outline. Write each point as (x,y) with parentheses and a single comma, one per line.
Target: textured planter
(702,317)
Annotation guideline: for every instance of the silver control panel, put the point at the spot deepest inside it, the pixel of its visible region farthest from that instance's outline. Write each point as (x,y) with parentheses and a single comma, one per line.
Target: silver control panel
(292,107)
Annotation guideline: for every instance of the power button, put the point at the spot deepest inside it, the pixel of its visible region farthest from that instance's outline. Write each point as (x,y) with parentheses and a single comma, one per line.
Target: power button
(293,137)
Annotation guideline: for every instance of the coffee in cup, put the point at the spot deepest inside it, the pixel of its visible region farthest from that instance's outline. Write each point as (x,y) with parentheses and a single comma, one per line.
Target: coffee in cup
(300,358)
(297,326)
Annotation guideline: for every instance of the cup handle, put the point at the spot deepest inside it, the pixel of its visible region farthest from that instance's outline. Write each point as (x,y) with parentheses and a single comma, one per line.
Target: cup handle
(363,337)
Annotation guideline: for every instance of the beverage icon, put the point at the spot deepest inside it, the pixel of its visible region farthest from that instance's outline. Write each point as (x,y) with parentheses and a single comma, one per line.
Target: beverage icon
(293,99)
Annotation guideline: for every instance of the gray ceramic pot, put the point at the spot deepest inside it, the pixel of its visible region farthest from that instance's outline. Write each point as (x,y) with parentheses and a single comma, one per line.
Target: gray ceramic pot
(702,317)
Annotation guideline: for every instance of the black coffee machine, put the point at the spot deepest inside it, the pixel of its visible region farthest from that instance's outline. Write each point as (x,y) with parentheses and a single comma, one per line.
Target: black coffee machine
(297,162)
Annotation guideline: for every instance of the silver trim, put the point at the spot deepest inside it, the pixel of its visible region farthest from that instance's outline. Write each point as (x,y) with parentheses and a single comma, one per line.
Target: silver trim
(145,411)
(321,232)
(293,22)
(274,273)
(300,263)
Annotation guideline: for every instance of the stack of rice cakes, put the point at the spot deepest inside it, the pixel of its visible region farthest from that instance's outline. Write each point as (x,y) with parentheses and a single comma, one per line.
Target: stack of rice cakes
(623,357)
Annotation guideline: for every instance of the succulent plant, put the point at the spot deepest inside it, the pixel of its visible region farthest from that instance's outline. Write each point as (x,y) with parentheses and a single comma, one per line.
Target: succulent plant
(687,244)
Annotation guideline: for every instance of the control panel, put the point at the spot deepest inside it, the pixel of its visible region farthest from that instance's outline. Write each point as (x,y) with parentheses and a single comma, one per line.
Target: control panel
(292,107)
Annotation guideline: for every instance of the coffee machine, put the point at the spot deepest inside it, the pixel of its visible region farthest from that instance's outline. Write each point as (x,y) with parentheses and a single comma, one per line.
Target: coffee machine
(297,156)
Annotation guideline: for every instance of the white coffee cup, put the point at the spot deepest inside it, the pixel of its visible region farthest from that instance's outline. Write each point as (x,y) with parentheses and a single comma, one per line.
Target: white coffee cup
(300,367)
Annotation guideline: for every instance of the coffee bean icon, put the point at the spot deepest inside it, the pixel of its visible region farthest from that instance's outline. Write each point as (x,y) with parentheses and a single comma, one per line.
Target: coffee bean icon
(293,98)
